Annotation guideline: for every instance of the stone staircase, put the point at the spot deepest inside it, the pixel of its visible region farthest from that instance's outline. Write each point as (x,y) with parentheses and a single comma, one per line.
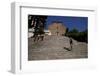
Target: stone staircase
(52,47)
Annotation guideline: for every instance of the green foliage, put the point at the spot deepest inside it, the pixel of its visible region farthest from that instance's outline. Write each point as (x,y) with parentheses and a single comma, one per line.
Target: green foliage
(38,23)
(74,31)
(79,36)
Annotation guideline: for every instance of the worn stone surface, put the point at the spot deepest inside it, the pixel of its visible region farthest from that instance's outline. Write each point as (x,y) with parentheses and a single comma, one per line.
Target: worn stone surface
(52,47)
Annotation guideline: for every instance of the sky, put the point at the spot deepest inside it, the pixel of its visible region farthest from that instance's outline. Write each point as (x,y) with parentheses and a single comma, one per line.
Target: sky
(80,23)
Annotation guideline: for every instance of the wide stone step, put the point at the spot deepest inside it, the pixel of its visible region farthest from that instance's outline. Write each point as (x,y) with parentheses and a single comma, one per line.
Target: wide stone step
(52,47)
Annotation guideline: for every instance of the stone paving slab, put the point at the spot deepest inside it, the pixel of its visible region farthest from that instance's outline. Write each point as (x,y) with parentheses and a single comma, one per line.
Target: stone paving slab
(52,47)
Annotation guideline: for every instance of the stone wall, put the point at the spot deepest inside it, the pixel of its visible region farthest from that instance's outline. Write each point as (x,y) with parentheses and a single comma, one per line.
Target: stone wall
(57,28)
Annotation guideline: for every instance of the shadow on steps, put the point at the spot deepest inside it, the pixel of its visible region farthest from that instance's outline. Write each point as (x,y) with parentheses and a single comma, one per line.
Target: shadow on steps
(68,49)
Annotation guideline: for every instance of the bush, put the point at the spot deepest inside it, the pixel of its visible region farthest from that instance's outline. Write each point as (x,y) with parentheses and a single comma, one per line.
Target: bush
(79,36)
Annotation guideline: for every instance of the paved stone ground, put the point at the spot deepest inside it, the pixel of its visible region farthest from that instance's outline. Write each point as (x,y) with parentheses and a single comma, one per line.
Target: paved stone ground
(52,47)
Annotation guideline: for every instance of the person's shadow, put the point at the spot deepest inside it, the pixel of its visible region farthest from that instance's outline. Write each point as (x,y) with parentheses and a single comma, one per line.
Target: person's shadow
(68,49)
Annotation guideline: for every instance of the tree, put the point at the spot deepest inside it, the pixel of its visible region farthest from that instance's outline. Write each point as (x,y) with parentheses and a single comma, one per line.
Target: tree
(38,23)
(66,32)
(74,30)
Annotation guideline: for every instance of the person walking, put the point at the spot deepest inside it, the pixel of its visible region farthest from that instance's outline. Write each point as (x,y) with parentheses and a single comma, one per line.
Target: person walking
(71,44)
